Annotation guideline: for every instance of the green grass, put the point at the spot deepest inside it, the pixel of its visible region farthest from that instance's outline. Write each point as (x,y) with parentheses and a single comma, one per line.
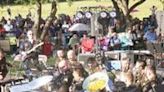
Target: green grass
(16,69)
(51,60)
(144,9)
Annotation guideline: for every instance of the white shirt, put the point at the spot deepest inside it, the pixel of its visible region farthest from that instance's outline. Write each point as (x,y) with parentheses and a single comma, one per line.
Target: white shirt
(8,27)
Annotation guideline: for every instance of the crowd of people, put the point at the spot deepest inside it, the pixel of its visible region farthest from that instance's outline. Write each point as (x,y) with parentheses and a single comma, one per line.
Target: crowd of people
(117,37)
(136,77)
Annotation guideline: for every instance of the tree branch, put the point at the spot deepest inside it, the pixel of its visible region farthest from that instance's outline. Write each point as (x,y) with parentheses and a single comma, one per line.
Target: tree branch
(127,3)
(50,19)
(115,4)
(134,6)
(36,27)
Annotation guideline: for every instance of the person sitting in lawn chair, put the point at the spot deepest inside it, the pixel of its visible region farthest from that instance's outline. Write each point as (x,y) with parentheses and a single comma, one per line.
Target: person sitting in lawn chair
(87,44)
(74,42)
(114,42)
(27,52)
(25,57)
(126,43)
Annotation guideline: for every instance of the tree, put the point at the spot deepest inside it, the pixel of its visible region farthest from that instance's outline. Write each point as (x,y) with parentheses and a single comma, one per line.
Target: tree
(123,9)
(50,19)
(36,28)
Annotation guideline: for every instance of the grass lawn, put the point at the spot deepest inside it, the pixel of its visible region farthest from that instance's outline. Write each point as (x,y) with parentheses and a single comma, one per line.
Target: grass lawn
(16,69)
(143,10)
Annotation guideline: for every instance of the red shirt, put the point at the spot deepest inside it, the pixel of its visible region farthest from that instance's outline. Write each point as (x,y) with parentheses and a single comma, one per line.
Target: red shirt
(47,48)
(87,44)
(2,30)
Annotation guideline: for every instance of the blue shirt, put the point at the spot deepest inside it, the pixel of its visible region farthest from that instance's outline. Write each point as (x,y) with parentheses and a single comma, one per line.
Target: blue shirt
(150,36)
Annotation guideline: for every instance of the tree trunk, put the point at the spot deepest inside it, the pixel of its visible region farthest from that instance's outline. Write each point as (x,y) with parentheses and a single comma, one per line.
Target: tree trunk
(127,15)
(50,19)
(36,27)
(123,13)
(118,10)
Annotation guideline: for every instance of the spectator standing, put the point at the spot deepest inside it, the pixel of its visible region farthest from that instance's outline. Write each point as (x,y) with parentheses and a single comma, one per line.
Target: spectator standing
(9,11)
(153,9)
(17,31)
(8,27)
(153,21)
(132,35)
(65,39)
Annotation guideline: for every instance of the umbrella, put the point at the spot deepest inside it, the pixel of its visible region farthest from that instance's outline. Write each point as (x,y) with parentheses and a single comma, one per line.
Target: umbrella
(93,78)
(79,27)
